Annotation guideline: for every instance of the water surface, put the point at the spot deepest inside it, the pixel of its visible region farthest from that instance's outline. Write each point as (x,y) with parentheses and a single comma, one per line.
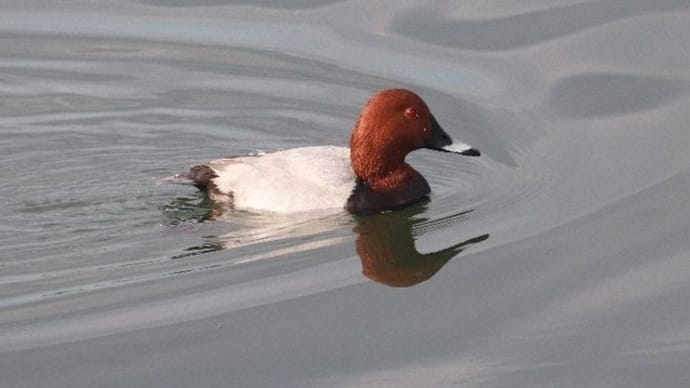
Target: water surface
(558,258)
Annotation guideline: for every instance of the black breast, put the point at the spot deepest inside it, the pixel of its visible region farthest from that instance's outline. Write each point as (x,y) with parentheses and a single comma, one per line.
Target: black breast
(365,200)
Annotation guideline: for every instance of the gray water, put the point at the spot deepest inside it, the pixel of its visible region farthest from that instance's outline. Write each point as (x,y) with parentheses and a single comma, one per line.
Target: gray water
(559,258)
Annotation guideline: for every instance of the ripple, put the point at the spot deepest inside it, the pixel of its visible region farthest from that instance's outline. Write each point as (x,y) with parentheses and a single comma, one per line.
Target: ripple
(524,29)
(610,94)
(294,4)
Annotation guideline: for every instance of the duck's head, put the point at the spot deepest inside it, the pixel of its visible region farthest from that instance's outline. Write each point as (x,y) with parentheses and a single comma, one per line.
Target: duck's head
(393,123)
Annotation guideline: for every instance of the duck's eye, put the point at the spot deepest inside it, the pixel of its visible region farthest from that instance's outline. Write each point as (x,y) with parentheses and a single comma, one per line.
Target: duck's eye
(411,113)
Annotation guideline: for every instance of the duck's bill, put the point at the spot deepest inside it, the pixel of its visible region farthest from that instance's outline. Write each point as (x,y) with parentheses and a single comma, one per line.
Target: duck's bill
(439,140)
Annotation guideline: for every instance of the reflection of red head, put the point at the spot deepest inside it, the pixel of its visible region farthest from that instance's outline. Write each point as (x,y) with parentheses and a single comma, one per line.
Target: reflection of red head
(385,263)
(386,249)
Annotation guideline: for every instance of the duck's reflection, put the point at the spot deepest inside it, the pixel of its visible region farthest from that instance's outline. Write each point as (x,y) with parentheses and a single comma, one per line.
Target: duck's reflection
(385,242)
(385,245)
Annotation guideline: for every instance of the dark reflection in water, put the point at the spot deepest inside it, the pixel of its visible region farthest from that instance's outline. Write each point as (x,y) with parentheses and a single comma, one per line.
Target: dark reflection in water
(191,209)
(200,249)
(385,244)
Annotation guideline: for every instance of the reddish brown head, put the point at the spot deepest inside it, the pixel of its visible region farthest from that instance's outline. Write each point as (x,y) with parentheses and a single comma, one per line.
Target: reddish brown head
(393,123)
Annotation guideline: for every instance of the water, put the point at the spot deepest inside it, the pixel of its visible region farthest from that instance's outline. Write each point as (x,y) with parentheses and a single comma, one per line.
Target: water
(558,258)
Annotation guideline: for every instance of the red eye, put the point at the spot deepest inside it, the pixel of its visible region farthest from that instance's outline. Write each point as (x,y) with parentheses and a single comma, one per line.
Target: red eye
(411,113)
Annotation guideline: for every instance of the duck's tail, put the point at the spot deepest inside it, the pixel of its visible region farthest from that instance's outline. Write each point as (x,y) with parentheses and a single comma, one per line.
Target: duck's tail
(200,176)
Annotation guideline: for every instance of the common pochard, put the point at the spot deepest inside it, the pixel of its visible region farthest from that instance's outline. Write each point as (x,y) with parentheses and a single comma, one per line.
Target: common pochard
(369,177)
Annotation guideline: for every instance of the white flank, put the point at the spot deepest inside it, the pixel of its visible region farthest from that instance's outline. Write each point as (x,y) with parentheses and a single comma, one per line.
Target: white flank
(294,180)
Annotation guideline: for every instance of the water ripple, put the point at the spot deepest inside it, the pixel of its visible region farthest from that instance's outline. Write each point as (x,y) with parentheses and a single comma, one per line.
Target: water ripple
(524,29)
(608,94)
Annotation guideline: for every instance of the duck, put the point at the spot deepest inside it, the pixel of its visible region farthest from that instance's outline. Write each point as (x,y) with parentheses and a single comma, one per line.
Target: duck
(371,176)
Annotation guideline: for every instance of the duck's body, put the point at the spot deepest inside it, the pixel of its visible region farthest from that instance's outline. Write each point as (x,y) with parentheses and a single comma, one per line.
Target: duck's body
(289,181)
(369,177)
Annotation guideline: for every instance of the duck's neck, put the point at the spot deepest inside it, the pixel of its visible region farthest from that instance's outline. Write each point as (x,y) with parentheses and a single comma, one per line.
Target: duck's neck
(394,180)
(376,171)
(377,164)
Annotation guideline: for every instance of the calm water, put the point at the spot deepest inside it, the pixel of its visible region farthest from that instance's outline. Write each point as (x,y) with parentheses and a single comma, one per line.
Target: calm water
(559,258)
